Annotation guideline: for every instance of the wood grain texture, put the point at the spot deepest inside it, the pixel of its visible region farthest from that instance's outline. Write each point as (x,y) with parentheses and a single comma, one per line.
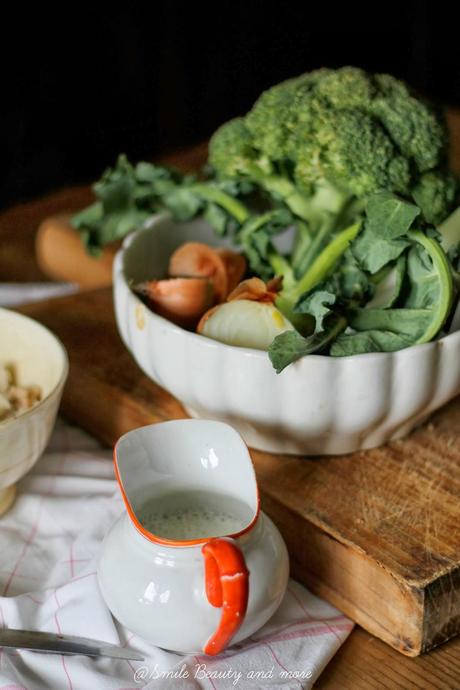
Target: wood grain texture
(366,663)
(376,532)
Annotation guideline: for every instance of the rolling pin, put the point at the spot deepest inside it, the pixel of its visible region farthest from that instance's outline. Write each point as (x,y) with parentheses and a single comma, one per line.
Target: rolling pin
(61,255)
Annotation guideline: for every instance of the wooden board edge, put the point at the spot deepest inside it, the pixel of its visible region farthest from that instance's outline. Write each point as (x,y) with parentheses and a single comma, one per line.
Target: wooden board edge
(441,601)
(354,578)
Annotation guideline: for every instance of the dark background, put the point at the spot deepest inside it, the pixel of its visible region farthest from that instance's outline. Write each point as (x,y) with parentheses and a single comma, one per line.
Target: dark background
(80,87)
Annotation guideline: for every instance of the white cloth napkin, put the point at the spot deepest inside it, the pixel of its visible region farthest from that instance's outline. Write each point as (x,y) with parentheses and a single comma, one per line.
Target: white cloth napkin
(49,544)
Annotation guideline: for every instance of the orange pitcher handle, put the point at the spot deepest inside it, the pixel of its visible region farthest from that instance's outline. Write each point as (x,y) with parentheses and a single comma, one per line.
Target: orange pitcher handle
(227,587)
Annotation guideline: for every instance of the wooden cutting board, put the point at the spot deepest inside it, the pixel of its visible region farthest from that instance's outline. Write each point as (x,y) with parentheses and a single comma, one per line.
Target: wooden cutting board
(376,533)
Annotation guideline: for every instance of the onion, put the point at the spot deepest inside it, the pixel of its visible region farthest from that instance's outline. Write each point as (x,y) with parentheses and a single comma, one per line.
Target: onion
(244,323)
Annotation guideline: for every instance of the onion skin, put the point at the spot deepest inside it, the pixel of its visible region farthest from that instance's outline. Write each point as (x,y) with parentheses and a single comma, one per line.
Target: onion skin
(197,260)
(180,300)
(235,265)
(253,289)
(224,268)
(201,276)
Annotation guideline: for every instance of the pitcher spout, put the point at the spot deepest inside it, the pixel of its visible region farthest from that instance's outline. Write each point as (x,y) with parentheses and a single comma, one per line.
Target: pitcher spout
(186,481)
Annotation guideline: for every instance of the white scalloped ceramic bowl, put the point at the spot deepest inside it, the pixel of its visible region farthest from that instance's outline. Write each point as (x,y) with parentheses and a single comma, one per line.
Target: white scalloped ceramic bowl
(39,359)
(319,405)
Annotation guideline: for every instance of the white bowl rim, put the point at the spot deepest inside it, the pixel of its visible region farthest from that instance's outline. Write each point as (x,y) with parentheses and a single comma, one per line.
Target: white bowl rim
(253,352)
(62,378)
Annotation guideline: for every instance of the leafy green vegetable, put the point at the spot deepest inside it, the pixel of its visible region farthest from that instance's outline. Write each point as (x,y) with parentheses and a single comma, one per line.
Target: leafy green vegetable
(426,307)
(255,238)
(218,219)
(431,283)
(350,281)
(450,231)
(128,195)
(373,253)
(407,322)
(116,212)
(388,218)
(317,304)
(368,341)
(291,346)
(414,310)
(388,284)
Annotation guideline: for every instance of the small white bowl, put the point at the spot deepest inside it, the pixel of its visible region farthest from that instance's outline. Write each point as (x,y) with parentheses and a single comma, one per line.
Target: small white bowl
(319,405)
(39,359)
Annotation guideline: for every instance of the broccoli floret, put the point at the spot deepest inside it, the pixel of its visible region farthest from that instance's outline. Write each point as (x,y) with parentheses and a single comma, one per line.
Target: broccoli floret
(233,156)
(361,160)
(416,129)
(277,112)
(232,152)
(435,193)
(345,88)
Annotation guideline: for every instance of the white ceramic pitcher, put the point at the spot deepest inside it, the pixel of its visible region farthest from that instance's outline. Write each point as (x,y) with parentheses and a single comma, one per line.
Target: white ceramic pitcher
(198,594)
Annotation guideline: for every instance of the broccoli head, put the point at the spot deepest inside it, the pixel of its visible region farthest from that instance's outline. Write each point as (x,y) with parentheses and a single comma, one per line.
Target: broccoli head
(343,128)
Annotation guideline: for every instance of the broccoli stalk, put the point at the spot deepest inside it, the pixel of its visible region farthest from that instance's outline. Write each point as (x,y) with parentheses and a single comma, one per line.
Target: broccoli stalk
(213,194)
(317,215)
(317,272)
(266,260)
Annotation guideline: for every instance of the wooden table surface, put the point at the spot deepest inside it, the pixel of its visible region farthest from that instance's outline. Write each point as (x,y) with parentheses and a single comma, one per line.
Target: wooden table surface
(363,662)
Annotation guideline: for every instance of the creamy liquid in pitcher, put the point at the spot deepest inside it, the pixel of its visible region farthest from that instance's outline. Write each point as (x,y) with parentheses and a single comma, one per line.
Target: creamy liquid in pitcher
(184,515)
